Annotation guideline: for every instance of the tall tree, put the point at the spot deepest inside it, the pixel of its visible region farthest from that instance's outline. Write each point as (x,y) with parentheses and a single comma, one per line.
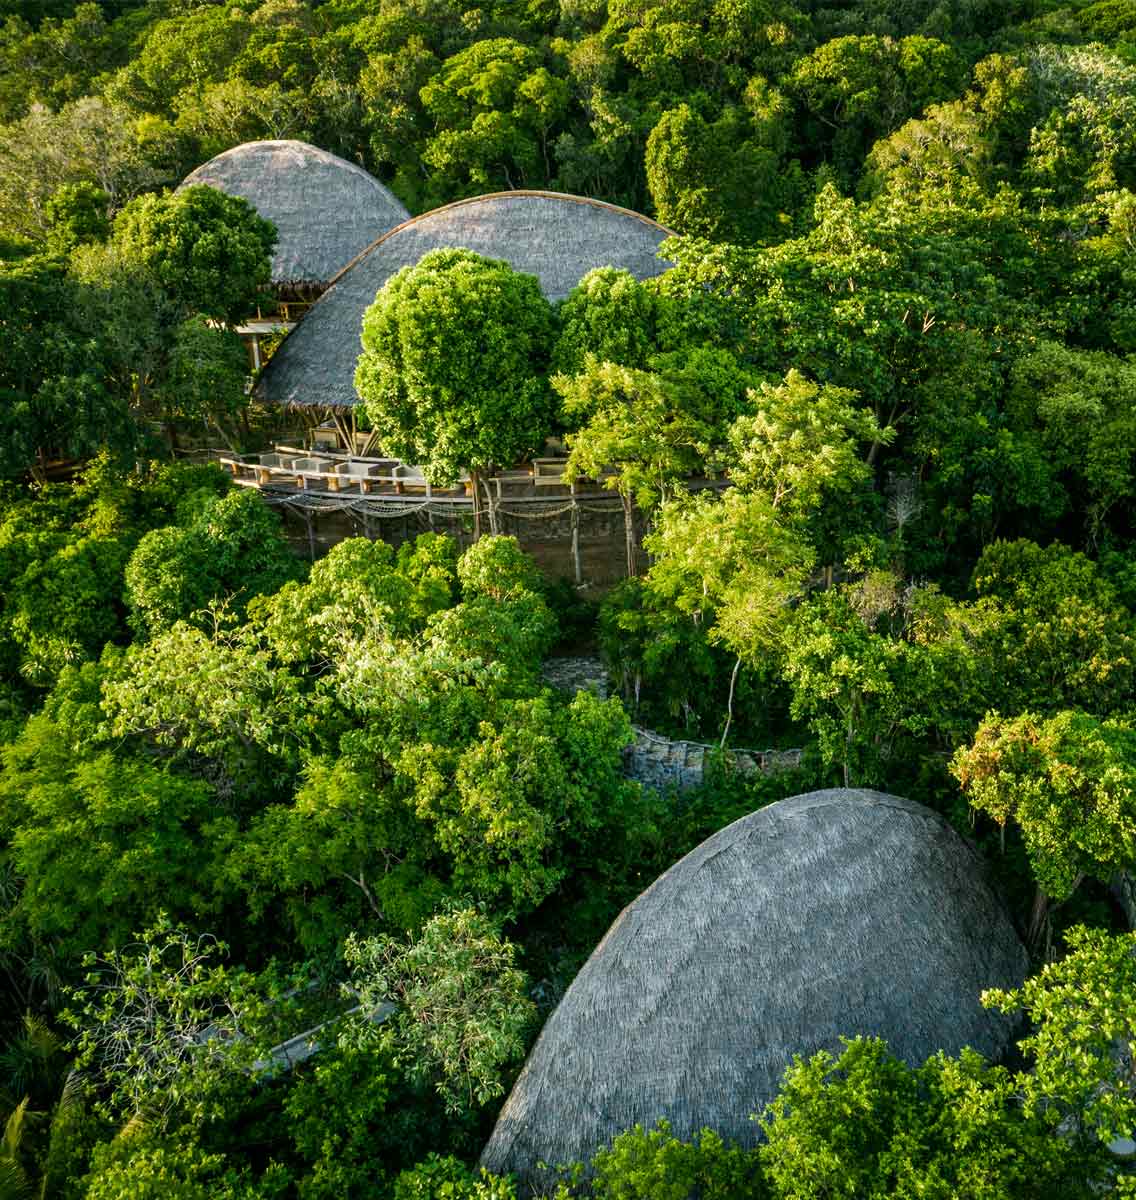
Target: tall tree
(1069,784)
(453,362)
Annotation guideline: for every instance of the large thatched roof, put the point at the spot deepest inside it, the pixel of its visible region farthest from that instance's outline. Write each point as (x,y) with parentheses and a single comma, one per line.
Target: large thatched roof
(326,210)
(557,238)
(838,912)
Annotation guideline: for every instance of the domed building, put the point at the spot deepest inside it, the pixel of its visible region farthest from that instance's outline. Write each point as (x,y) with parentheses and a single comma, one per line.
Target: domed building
(556,237)
(326,210)
(840,912)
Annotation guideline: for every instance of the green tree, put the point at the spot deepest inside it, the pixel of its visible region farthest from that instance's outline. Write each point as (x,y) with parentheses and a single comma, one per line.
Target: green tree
(863,1124)
(76,214)
(609,315)
(334,1112)
(101,842)
(635,434)
(209,250)
(498,568)
(346,850)
(494,108)
(720,179)
(858,687)
(945,152)
(87,141)
(653,1164)
(144,1167)
(448,1178)
(1082,1012)
(733,566)
(856,89)
(158,1020)
(214,703)
(463,1012)
(207,376)
(513,807)
(232,551)
(512,636)
(358,589)
(57,392)
(1054,633)
(1079,405)
(801,443)
(452,369)
(1069,784)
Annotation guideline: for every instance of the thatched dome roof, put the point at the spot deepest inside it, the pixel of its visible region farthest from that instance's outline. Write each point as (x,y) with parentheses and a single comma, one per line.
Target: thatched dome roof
(838,912)
(557,238)
(326,210)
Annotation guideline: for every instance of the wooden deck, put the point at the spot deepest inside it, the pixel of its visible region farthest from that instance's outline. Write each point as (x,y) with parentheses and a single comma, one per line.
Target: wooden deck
(332,475)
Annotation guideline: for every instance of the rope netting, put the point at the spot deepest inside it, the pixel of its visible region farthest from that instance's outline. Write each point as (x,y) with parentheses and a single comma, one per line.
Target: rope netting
(389,510)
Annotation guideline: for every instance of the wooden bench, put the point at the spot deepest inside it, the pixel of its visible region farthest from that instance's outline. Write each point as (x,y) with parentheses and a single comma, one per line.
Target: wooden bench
(365,474)
(315,470)
(413,477)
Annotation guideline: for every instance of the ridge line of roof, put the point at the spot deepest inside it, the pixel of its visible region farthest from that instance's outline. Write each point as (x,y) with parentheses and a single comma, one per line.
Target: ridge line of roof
(357,168)
(516,193)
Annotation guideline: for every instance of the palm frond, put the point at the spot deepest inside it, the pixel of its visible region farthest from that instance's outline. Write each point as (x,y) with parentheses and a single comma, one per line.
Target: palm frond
(14,1182)
(68,1108)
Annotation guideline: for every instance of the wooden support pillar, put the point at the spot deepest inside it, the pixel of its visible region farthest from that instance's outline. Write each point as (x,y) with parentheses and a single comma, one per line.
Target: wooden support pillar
(311,534)
(343,429)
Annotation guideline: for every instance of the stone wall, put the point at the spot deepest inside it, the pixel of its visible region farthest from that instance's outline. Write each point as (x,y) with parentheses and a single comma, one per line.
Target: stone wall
(665,763)
(655,761)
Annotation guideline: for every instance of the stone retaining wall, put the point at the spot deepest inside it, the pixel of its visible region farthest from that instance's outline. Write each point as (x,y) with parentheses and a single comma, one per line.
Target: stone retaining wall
(653,760)
(664,763)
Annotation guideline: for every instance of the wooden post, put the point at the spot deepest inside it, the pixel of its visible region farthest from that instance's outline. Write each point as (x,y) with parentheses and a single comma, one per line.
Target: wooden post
(577,565)
(342,429)
(309,419)
(311,534)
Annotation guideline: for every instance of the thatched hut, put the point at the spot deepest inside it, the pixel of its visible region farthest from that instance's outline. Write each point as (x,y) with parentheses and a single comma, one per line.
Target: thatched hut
(555,237)
(326,210)
(837,912)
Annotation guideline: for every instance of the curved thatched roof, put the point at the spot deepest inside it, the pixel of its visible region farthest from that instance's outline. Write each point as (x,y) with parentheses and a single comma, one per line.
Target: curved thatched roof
(326,210)
(555,237)
(838,912)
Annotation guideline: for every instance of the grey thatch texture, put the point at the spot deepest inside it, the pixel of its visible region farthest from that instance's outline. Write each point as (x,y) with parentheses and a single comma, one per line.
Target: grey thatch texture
(557,238)
(326,210)
(837,912)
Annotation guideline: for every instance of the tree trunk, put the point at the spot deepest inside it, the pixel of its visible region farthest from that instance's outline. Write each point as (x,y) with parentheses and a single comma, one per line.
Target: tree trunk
(225,438)
(490,507)
(629,537)
(1040,928)
(475,483)
(577,564)
(730,703)
(848,745)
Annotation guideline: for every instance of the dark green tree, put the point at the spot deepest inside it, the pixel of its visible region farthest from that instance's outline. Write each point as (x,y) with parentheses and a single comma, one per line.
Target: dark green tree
(453,362)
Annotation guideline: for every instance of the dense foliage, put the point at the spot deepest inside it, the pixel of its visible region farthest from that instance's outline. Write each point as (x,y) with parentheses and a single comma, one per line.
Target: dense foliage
(873,436)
